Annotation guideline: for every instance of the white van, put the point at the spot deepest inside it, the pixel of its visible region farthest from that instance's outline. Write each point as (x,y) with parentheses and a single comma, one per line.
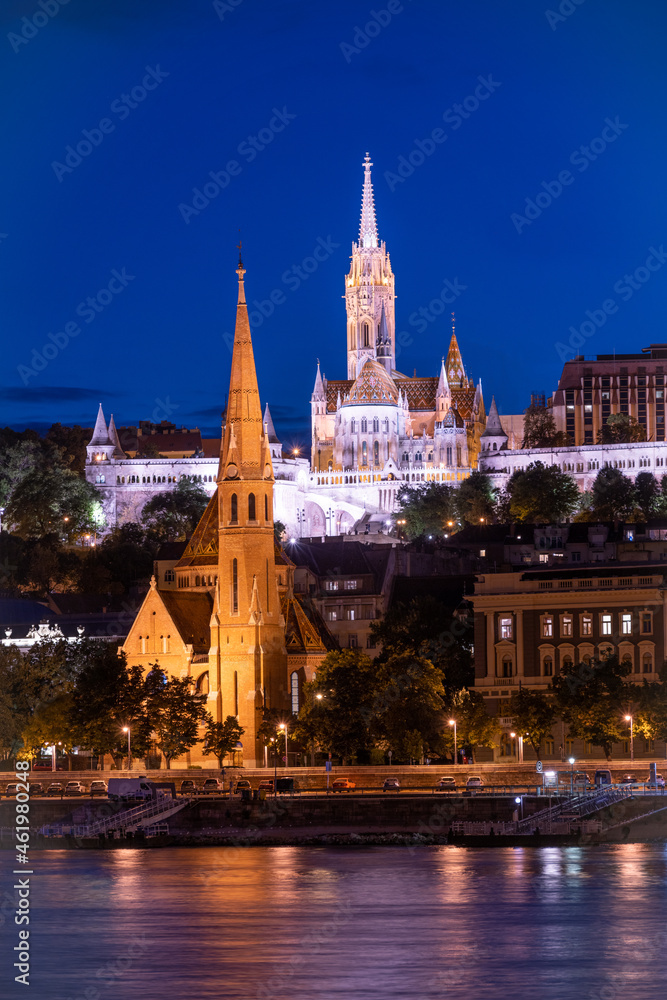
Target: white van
(131,789)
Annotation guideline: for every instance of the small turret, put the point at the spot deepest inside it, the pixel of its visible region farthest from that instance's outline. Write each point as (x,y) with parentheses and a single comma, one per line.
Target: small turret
(494,437)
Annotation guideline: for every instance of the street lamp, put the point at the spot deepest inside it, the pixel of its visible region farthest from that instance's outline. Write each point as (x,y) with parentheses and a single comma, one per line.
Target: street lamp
(452,722)
(629,719)
(283,725)
(520,747)
(519,802)
(571,760)
(126,729)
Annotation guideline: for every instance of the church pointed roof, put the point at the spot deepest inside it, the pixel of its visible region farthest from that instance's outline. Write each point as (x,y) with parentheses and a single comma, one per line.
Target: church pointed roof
(443,384)
(100,433)
(368,231)
(244,452)
(318,391)
(453,419)
(115,440)
(493,428)
(383,330)
(373,385)
(202,549)
(270,429)
(456,374)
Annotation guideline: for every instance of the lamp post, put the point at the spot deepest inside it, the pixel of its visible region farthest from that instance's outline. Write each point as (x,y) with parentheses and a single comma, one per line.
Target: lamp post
(126,729)
(629,719)
(452,722)
(571,759)
(283,725)
(519,747)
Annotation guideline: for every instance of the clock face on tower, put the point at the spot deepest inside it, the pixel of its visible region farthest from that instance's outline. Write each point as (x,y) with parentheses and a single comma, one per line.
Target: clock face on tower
(231,471)
(268,471)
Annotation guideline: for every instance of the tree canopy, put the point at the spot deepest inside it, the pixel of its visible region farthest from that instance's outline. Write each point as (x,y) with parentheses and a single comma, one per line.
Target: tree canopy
(175,514)
(619,428)
(591,697)
(541,493)
(539,429)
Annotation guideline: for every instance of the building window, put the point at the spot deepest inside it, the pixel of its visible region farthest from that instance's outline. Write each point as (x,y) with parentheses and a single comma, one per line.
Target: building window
(587,625)
(370,642)
(647,663)
(647,622)
(349,614)
(543,557)
(331,584)
(567,663)
(547,626)
(352,641)
(294,688)
(332,615)
(351,584)
(566,625)
(165,643)
(626,623)
(482,553)
(605,624)
(364,425)
(548,666)
(169,576)
(235,587)
(506,628)
(364,453)
(251,507)
(234,509)
(376,452)
(549,748)
(507,667)
(376,425)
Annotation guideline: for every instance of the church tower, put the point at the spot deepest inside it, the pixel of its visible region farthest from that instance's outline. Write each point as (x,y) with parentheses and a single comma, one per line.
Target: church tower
(247,627)
(369,287)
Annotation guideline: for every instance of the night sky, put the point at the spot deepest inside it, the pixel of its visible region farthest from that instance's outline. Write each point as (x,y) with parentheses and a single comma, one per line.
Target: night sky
(293,94)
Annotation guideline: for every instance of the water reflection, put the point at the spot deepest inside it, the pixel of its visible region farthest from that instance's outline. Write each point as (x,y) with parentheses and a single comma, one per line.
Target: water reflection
(286,923)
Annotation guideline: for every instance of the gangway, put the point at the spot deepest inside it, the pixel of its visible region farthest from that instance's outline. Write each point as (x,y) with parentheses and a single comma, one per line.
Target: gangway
(150,814)
(577,806)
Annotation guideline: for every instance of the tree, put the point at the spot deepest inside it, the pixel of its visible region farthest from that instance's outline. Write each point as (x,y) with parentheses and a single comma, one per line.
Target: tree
(539,429)
(175,713)
(541,493)
(48,726)
(221,737)
(71,441)
(534,715)
(591,698)
(408,708)
(176,513)
(613,497)
(474,726)
(648,495)
(620,428)
(341,720)
(475,499)
(41,501)
(426,508)
(107,696)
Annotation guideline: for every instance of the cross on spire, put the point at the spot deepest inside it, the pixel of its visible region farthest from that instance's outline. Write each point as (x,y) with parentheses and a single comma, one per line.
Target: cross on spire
(368,232)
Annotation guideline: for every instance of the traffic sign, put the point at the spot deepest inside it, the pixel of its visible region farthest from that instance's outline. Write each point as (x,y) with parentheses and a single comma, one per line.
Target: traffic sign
(538,767)
(328,765)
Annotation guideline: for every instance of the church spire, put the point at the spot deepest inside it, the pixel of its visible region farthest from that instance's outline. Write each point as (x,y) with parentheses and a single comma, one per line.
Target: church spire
(244,425)
(115,440)
(442,394)
(100,434)
(318,391)
(368,232)
(455,371)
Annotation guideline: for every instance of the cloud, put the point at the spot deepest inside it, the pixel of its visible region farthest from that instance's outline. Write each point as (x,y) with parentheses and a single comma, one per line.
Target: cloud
(53,394)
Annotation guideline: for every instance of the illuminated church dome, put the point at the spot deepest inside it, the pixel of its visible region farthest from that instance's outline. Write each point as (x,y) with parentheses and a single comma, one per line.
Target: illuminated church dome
(373,385)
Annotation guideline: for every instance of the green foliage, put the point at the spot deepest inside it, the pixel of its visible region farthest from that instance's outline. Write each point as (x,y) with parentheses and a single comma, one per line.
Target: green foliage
(539,429)
(176,513)
(541,493)
(621,429)
(51,724)
(612,497)
(40,502)
(591,698)
(426,508)
(175,713)
(534,714)
(221,738)
(474,726)
(71,441)
(407,711)
(475,499)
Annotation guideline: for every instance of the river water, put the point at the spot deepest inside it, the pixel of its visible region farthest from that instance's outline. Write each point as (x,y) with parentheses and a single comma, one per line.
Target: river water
(300,923)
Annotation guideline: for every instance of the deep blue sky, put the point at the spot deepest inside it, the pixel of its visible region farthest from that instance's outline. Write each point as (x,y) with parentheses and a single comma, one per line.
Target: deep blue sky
(161,340)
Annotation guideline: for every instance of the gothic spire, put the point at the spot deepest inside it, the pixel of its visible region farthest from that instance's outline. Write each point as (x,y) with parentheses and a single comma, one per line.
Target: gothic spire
(318,392)
(115,440)
(100,434)
(368,232)
(268,426)
(455,371)
(493,424)
(244,431)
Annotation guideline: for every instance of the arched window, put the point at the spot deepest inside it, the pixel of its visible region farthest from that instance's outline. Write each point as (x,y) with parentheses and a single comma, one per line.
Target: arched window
(364,453)
(364,425)
(376,452)
(235,509)
(235,587)
(366,333)
(266,507)
(376,425)
(647,663)
(251,507)
(507,666)
(294,689)
(202,685)
(353,426)
(548,666)
(196,581)
(567,663)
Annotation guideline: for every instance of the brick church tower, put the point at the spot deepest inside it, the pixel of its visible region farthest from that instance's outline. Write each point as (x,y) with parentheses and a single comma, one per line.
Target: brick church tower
(247,650)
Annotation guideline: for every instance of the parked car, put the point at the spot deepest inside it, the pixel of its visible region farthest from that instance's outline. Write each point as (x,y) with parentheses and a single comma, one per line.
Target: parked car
(287,785)
(578,779)
(36,788)
(242,785)
(45,764)
(11,789)
(188,787)
(602,777)
(214,786)
(446,785)
(56,788)
(343,785)
(474,783)
(630,779)
(266,785)
(75,788)
(391,785)
(659,781)
(98,787)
